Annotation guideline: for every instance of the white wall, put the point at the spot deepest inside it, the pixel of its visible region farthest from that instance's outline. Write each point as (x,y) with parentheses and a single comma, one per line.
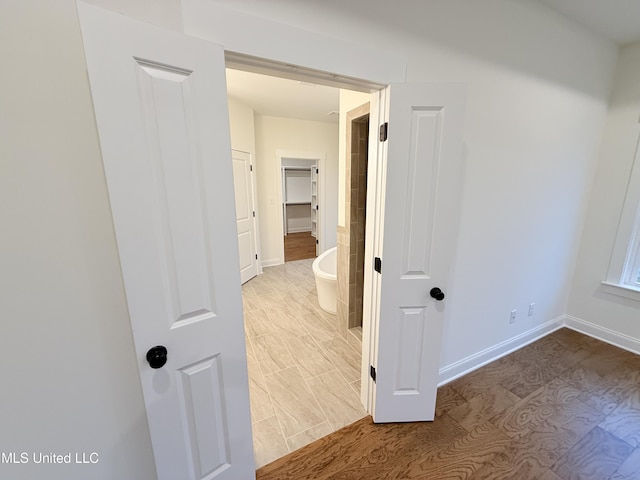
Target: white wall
(165,13)
(275,134)
(587,300)
(538,86)
(538,89)
(263,137)
(241,126)
(348,101)
(70,380)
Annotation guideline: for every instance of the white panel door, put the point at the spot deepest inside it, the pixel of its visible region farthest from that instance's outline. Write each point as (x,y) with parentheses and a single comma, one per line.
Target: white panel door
(161,111)
(422,163)
(245,215)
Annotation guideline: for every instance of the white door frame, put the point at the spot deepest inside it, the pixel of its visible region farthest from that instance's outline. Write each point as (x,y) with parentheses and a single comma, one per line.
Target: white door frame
(319,158)
(376,180)
(256,222)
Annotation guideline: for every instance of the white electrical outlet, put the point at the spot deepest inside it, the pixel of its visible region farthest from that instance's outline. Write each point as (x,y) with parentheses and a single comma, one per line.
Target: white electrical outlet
(512,317)
(532,309)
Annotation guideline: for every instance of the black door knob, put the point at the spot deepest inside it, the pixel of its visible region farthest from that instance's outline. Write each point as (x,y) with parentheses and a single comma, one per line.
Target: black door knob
(437,294)
(157,356)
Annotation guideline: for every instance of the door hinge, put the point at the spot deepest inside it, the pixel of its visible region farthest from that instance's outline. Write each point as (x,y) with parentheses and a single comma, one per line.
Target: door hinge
(377,265)
(372,372)
(384,131)
(317,171)
(317,242)
(256,256)
(251,168)
(316,207)
(254,214)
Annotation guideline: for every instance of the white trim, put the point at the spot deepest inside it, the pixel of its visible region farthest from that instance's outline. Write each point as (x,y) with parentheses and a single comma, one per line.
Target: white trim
(271,262)
(488,355)
(371,289)
(625,256)
(626,291)
(601,333)
(263,66)
(299,229)
(292,47)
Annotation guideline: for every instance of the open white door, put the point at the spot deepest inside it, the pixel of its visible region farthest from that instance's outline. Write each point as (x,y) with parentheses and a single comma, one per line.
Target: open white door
(418,212)
(245,215)
(161,110)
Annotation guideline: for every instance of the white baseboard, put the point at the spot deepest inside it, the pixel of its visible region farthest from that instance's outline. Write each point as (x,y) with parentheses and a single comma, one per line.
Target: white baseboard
(270,262)
(477,360)
(299,229)
(601,333)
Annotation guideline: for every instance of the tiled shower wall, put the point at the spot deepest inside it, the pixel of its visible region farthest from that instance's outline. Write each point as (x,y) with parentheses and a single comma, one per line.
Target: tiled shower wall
(350,281)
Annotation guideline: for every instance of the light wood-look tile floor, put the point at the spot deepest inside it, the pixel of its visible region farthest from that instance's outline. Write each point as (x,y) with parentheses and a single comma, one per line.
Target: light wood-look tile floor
(566,407)
(304,378)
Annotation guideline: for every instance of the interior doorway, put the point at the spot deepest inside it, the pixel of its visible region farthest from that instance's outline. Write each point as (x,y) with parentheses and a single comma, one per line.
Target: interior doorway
(300,199)
(288,334)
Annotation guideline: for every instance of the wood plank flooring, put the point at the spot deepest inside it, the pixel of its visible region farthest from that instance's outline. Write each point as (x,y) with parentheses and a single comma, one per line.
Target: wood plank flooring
(565,407)
(298,246)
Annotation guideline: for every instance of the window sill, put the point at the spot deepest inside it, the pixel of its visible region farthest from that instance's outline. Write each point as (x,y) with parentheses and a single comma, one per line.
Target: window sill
(626,291)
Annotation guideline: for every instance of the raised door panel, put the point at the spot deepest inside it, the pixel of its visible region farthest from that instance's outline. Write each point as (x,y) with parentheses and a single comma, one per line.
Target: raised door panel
(175,171)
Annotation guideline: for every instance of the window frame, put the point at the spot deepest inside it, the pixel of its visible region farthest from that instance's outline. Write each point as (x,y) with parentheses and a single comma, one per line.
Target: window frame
(623,275)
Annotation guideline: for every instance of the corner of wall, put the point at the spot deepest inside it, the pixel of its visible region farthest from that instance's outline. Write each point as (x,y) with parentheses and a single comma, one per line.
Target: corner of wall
(601,333)
(468,364)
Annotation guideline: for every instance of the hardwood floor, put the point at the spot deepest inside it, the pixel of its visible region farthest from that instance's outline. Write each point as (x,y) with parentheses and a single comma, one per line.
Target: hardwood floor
(565,407)
(298,246)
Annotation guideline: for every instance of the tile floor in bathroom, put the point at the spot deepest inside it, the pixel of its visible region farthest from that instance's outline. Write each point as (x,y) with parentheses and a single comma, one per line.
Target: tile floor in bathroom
(304,377)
